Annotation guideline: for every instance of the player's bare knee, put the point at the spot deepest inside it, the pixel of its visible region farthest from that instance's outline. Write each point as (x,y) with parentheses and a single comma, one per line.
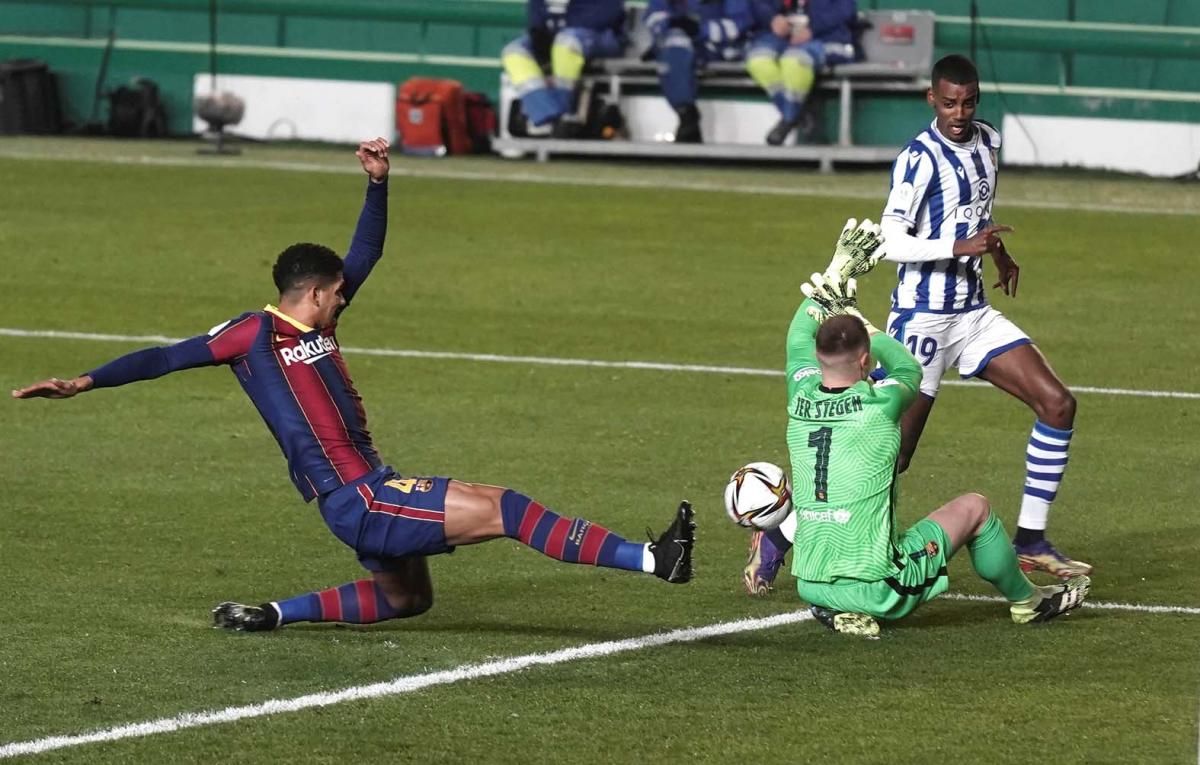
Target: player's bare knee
(1057,409)
(977,508)
(411,603)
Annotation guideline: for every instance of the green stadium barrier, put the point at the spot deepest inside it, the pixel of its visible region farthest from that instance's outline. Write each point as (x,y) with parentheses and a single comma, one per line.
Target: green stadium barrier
(1138,71)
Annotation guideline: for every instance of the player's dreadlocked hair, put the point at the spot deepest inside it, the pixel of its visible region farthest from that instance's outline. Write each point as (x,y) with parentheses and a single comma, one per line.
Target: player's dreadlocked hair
(301,263)
(840,336)
(954,68)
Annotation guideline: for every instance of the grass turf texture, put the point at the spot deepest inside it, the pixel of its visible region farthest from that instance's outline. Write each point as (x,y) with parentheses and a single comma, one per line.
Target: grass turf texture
(129,513)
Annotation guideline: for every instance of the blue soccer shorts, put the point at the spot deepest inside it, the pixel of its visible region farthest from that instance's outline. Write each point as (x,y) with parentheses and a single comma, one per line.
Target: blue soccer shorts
(385,516)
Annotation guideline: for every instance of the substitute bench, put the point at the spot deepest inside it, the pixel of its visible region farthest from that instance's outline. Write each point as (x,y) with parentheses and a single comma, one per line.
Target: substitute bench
(898,51)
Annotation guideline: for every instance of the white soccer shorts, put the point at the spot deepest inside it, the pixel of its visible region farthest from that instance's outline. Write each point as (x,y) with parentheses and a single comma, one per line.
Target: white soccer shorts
(965,340)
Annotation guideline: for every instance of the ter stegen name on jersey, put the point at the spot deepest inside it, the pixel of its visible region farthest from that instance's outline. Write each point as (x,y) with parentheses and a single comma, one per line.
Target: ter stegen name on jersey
(824,408)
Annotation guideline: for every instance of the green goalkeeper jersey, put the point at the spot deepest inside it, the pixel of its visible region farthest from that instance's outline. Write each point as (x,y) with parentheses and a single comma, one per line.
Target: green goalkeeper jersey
(843,445)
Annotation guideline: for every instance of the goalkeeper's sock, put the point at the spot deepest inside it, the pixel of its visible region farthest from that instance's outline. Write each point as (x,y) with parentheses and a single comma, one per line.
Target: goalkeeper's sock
(360,602)
(994,560)
(572,540)
(1045,462)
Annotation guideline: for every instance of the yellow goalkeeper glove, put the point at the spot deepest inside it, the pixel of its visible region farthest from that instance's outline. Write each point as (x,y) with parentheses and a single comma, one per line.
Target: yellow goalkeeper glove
(858,250)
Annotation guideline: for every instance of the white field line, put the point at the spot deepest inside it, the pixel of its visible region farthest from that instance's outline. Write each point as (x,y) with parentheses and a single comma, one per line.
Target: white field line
(411,683)
(1101,605)
(400,685)
(656,366)
(426,170)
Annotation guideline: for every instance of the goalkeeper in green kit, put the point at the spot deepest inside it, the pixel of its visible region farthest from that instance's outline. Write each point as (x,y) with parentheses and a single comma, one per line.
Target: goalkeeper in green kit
(851,562)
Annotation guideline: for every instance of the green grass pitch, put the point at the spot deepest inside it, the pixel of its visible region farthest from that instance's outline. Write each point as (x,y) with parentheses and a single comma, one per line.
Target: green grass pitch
(127,514)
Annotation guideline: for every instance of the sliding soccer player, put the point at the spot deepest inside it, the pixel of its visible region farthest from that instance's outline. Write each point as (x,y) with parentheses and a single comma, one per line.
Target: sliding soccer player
(288,361)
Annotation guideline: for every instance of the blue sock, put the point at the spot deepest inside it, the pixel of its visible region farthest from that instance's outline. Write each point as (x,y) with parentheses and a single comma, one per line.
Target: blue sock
(571,540)
(781,542)
(360,602)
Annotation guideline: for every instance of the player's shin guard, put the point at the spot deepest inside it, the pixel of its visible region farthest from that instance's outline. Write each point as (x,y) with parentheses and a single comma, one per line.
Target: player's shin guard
(360,602)
(994,560)
(1045,462)
(572,540)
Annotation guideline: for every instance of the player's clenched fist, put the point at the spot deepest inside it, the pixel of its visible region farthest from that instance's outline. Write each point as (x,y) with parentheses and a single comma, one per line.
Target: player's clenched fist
(373,155)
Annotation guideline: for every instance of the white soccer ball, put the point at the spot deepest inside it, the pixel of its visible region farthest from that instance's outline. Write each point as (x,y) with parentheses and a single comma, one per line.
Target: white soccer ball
(759,496)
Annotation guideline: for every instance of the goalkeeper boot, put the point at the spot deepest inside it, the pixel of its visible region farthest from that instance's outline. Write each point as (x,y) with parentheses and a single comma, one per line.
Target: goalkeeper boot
(672,550)
(762,565)
(1052,601)
(235,616)
(847,622)
(1042,556)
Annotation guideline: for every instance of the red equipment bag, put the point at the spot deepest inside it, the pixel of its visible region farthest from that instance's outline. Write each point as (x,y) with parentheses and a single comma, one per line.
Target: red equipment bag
(431,117)
(481,122)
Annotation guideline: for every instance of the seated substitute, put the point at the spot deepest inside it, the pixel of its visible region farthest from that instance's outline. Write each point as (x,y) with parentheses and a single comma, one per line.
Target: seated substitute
(804,36)
(851,562)
(288,362)
(563,36)
(687,35)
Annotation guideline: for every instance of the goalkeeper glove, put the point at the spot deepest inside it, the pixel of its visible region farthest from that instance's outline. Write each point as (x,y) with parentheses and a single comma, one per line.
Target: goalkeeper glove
(834,299)
(858,250)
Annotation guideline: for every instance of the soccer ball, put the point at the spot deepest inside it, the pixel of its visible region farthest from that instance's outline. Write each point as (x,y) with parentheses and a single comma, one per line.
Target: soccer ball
(758,496)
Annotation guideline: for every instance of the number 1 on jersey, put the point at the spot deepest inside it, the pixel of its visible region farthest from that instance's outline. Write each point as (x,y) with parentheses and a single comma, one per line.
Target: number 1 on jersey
(820,440)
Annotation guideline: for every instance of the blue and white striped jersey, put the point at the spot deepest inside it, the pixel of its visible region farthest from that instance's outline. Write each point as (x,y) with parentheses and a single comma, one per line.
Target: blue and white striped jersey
(943,190)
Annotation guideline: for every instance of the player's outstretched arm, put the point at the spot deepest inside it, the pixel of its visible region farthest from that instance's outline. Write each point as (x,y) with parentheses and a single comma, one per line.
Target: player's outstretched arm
(149,363)
(367,245)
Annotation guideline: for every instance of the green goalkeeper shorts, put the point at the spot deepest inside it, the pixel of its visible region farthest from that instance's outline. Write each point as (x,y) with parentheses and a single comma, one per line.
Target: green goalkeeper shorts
(925,549)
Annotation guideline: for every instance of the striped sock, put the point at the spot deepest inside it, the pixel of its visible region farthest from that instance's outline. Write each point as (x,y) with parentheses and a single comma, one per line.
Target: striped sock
(572,540)
(1045,462)
(360,602)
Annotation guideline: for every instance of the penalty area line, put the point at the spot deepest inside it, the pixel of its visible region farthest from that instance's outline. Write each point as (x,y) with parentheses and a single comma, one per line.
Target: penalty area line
(400,685)
(655,366)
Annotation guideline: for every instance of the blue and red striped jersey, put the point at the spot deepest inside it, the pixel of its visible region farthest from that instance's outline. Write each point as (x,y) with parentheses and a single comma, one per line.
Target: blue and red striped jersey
(294,374)
(298,381)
